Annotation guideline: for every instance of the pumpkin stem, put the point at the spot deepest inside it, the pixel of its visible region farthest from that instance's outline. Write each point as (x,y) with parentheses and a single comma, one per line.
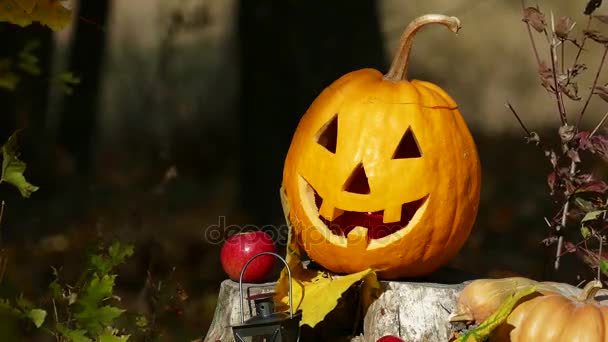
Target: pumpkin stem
(590,290)
(398,69)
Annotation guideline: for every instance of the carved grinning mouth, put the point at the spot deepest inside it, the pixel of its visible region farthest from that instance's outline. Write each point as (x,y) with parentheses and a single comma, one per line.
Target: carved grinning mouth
(372,221)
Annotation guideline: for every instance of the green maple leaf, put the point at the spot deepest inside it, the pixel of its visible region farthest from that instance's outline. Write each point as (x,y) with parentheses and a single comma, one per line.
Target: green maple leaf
(97,290)
(7,307)
(117,253)
(95,319)
(92,316)
(23,309)
(13,168)
(37,316)
(72,335)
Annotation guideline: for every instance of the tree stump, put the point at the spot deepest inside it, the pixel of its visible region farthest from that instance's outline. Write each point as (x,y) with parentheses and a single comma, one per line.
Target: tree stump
(412,311)
(228,311)
(415,311)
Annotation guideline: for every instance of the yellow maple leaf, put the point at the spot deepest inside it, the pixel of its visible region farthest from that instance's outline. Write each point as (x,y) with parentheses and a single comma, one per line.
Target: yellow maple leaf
(12,13)
(52,14)
(26,5)
(499,316)
(316,292)
(24,12)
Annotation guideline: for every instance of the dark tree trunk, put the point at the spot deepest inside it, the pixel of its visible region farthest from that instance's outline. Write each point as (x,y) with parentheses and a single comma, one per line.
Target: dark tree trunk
(77,125)
(290,51)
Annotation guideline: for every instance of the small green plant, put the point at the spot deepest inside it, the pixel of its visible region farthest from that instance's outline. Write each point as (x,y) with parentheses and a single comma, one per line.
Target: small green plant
(85,311)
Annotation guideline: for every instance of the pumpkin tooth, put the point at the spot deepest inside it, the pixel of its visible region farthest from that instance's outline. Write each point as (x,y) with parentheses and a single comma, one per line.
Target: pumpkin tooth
(357,238)
(329,212)
(392,214)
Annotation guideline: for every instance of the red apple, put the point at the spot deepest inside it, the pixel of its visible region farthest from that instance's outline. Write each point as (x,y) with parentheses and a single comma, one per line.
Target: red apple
(241,247)
(389,338)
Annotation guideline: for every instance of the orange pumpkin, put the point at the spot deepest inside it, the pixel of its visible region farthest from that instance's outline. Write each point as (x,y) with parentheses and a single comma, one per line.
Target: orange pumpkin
(382,172)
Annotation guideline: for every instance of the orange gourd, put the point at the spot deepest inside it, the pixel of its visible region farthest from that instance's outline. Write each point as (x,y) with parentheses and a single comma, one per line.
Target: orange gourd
(557,316)
(382,172)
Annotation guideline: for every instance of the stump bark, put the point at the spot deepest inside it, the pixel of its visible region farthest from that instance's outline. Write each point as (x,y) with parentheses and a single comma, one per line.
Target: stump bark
(414,311)
(227,310)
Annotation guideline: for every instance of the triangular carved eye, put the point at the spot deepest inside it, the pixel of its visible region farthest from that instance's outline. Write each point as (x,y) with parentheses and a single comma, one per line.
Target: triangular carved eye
(357,182)
(327,136)
(408,146)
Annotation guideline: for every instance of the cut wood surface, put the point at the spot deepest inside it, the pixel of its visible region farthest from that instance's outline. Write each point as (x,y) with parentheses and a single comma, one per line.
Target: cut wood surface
(227,310)
(414,311)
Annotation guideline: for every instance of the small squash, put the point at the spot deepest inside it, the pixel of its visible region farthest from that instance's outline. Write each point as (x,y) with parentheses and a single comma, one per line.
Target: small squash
(382,172)
(482,297)
(556,317)
(555,312)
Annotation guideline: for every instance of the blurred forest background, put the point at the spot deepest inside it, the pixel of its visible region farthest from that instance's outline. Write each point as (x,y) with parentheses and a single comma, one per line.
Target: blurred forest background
(186,109)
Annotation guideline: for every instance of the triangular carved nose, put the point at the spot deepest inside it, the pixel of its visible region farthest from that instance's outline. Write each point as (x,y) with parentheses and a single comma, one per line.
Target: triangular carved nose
(357,182)
(408,146)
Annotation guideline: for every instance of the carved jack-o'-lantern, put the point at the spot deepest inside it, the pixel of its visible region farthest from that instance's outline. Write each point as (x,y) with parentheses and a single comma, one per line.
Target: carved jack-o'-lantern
(382,172)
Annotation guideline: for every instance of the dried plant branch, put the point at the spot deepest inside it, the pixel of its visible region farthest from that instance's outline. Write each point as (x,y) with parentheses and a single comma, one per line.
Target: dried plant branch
(597,75)
(560,245)
(558,93)
(532,42)
(510,107)
(2,204)
(3,259)
(560,240)
(597,127)
(562,48)
(599,255)
(581,47)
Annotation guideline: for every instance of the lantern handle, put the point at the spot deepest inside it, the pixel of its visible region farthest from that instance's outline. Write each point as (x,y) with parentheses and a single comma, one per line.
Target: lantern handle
(241,282)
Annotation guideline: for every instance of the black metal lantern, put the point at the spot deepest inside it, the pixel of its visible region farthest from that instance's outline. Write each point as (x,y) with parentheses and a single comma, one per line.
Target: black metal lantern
(267,325)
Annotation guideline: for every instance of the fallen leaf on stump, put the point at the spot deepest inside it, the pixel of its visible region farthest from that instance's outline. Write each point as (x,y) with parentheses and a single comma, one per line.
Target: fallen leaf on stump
(316,292)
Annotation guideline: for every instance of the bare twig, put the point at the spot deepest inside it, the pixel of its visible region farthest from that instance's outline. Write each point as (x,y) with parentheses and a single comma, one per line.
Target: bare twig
(560,240)
(510,107)
(599,269)
(3,259)
(597,75)
(560,244)
(2,204)
(599,125)
(563,46)
(56,318)
(532,42)
(558,93)
(580,49)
